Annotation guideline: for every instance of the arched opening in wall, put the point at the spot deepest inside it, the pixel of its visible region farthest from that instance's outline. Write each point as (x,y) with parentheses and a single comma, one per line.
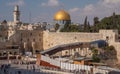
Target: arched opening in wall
(76,55)
(75,37)
(21,34)
(34,40)
(29,47)
(74,50)
(4,54)
(6,37)
(66,53)
(91,64)
(30,34)
(28,39)
(116,38)
(15,53)
(37,51)
(0,35)
(10,53)
(21,39)
(7,32)
(0,54)
(107,37)
(119,38)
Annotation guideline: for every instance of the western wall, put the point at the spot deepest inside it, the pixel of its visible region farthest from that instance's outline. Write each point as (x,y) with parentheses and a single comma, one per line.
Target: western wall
(43,40)
(51,39)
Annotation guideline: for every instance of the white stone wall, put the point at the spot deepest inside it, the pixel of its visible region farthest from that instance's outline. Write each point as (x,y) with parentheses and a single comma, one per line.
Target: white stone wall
(45,40)
(117,47)
(51,39)
(31,38)
(111,34)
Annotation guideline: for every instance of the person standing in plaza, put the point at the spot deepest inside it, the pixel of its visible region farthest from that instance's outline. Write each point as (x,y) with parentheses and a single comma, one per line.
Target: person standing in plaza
(33,68)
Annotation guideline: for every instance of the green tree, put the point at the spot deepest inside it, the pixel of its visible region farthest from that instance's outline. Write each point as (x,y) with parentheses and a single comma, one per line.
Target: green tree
(74,28)
(56,26)
(88,27)
(94,51)
(111,22)
(85,24)
(96,20)
(95,58)
(65,28)
(95,55)
(70,28)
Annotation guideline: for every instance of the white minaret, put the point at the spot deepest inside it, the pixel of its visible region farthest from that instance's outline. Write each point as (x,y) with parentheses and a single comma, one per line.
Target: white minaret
(16,14)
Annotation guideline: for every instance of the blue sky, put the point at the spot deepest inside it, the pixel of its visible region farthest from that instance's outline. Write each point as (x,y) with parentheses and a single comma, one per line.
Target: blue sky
(44,10)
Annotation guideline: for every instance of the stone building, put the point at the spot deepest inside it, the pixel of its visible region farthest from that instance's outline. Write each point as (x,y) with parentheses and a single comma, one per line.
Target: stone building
(16,14)
(29,40)
(28,37)
(34,38)
(52,39)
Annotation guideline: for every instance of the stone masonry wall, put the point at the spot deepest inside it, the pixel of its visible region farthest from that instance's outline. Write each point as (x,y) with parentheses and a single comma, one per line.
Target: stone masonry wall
(52,39)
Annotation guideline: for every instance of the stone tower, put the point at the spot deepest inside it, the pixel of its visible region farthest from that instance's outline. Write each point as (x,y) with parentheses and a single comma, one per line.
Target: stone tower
(16,14)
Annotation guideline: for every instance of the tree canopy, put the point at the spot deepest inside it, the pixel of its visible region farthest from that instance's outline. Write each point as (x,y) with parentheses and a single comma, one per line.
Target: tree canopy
(70,28)
(111,22)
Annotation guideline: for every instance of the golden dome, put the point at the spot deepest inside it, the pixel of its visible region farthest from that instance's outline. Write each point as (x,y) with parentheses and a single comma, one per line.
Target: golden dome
(62,15)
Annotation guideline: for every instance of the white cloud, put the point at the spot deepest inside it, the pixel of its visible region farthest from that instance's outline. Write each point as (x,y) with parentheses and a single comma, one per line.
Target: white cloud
(51,3)
(18,2)
(101,9)
(111,1)
(88,8)
(74,10)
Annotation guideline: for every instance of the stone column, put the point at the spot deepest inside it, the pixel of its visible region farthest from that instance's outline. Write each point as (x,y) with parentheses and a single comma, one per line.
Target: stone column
(78,50)
(25,47)
(33,47)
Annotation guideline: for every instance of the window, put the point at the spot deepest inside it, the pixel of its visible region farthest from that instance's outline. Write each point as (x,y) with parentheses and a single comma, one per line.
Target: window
(75,37)
(15,53)
(74,50)
(34,40)
(107,38)
(119,37)
(28,39)
(0,54)
(66,53)
(10,53)
(21,34)
(21,39)
(30,34)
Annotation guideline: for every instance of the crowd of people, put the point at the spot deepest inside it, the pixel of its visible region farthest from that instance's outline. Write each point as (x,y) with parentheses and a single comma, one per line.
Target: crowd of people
(4,68)
(32,67)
